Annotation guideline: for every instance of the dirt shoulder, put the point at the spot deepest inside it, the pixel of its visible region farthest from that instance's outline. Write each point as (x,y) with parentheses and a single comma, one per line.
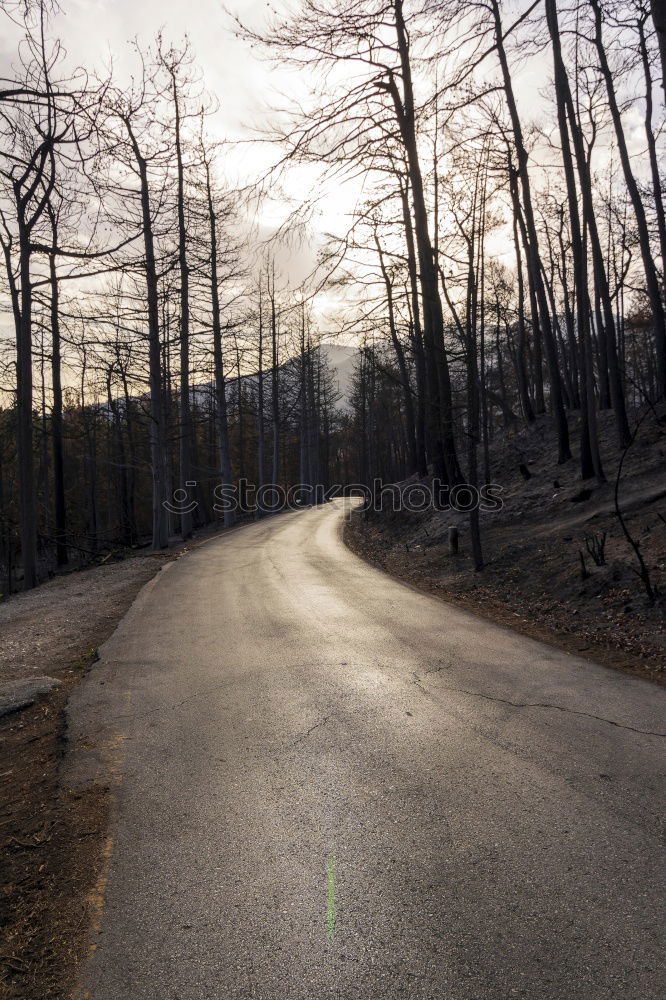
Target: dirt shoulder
(52,838)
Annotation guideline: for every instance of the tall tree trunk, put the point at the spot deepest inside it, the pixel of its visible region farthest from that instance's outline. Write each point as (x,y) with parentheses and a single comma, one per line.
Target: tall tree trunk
(186,435)
(659,18)
(221,415)
(471,351)
(534,263)
(158,448)
(261,432)
(590,458)
(304,423)
(481,283)
(56,410)
(275,386)
(652,151)
(568,300)
(521,346)
(27,498)
(410,429)
(417,335)
(131,443)
(317,469)
(90,456)
(533,354)
(433,318)
(241,432)
(651,281)
(600,274)
(120,462)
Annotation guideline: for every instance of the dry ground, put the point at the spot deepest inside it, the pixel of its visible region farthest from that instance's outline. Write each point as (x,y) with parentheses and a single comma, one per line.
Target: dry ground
(52,839)
(532,579)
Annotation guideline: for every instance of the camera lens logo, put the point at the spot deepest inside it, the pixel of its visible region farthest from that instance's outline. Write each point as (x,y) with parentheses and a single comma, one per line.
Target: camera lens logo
(181,502)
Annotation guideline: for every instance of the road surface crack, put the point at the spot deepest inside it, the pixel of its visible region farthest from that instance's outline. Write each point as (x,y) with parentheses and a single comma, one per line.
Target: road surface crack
(306,734)
(557,708)
(171,707)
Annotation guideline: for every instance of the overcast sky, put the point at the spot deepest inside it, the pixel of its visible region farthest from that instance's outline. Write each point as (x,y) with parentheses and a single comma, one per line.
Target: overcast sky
(95,32)
(93,28)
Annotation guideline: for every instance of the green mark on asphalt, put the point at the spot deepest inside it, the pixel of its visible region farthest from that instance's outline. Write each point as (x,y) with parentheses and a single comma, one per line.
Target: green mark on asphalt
(330,896)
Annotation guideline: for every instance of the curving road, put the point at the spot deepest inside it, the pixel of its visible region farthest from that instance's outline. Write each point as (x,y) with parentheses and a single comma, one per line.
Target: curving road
(330,785)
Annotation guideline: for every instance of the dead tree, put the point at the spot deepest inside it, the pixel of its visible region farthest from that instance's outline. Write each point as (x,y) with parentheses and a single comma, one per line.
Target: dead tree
(651,280)
(533,259)
(222,420)
(128,110)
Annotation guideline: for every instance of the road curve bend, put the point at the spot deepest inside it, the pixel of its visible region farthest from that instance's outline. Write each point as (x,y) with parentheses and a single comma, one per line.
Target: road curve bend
(329,784)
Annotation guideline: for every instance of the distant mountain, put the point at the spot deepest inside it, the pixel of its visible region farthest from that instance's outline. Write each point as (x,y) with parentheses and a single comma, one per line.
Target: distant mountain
(340,358)
(341,361)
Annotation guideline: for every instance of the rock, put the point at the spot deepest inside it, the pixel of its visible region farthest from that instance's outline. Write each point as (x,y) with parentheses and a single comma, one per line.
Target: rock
(15,695)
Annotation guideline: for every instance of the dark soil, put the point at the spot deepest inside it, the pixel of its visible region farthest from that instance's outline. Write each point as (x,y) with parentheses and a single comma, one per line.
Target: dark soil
(52,843)
(532,580)
(53,838)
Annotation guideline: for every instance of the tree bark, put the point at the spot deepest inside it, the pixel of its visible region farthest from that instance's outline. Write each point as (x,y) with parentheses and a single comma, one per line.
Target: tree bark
(417,334)
(651,281)
(158,450)
(590,458)
(520,352)
(659,18)
(221,415)
(433,318)
(260,399)
(60,510)
(185,438)
(652,153)
(533,260)
(402,366)
(27,499)
(275,386)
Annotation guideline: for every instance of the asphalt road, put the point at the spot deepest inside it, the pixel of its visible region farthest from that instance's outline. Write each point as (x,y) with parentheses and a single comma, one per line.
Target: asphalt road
(330,785)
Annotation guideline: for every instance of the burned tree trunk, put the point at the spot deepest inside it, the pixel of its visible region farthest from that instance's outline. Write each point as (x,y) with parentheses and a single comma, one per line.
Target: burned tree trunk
(533,259)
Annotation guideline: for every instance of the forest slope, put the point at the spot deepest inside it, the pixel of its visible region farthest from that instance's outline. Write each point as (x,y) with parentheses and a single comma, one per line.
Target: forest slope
(532,580)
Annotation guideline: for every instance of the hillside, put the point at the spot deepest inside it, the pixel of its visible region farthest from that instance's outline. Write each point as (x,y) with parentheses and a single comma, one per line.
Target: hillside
(533,577)
(341,360)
